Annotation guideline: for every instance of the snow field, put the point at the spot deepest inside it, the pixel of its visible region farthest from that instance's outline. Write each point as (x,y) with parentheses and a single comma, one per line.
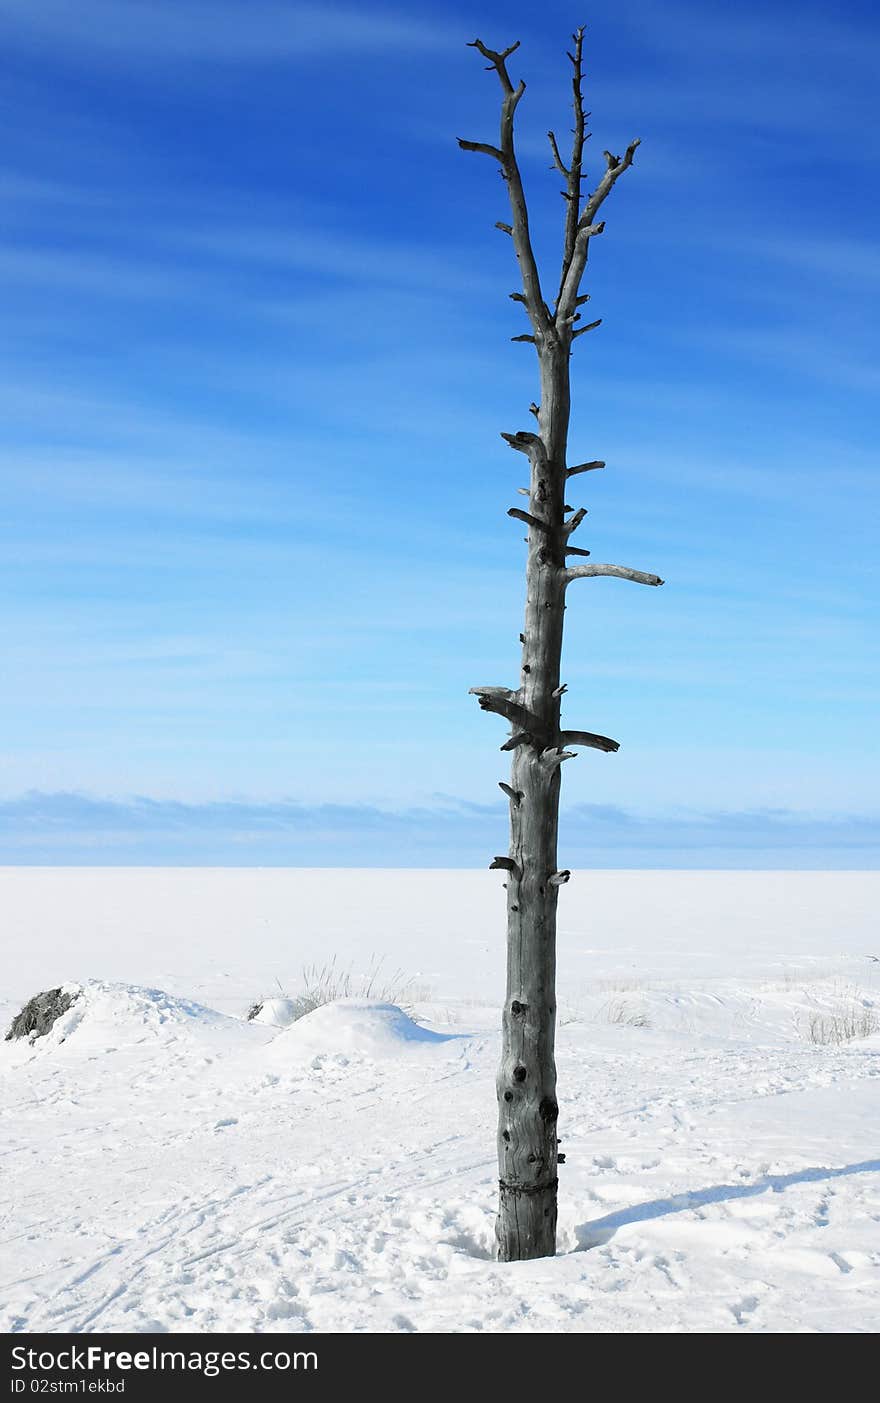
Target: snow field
(169,1166)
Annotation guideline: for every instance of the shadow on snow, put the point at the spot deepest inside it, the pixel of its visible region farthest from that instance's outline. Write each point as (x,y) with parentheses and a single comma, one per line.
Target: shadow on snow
(601,1230)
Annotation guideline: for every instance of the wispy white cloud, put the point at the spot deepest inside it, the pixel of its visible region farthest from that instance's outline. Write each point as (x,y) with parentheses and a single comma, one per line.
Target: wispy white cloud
(757,31)
(341,256)
(70,827)
(829,355)
(81,271)
(831,257)
(231,374)
(200,32)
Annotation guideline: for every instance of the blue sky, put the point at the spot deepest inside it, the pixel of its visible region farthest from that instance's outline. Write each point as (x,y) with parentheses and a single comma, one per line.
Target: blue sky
(256,362)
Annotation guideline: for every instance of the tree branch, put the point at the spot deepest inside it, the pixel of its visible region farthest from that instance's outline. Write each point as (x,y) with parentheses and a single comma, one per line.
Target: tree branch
(620,572)
(557,159)
(503,864)
(591,326)
(505,703)
(483,147)
(534,521)
(503,706)
(574,173)
(554,755)
(498,61)
(524,442)
(520,738)
(567,300)
(584,468)
(522,243)
(589,739)
(616,165)
(491,699)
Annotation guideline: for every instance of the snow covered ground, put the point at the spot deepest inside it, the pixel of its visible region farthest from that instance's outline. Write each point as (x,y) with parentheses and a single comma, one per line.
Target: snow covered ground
(168,1165)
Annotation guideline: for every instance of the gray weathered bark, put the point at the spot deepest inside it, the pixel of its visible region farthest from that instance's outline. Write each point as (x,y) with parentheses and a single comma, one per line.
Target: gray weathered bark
(528,1111)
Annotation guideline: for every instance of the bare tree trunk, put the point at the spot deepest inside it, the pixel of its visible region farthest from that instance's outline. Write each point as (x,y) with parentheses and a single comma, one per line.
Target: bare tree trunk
(528,1110)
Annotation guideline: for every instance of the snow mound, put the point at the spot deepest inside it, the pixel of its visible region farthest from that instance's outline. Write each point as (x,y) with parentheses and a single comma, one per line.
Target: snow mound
(364,1026)
(104,1016)
(276,1013)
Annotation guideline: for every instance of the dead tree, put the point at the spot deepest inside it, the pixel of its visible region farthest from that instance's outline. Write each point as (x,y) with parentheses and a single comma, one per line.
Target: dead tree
(528,1111)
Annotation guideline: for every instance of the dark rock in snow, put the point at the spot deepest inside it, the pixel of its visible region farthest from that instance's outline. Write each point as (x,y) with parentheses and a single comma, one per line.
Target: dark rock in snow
(39,1014)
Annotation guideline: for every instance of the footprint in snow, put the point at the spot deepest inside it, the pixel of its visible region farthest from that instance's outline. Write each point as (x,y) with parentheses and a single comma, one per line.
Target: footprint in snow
(744,1308)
